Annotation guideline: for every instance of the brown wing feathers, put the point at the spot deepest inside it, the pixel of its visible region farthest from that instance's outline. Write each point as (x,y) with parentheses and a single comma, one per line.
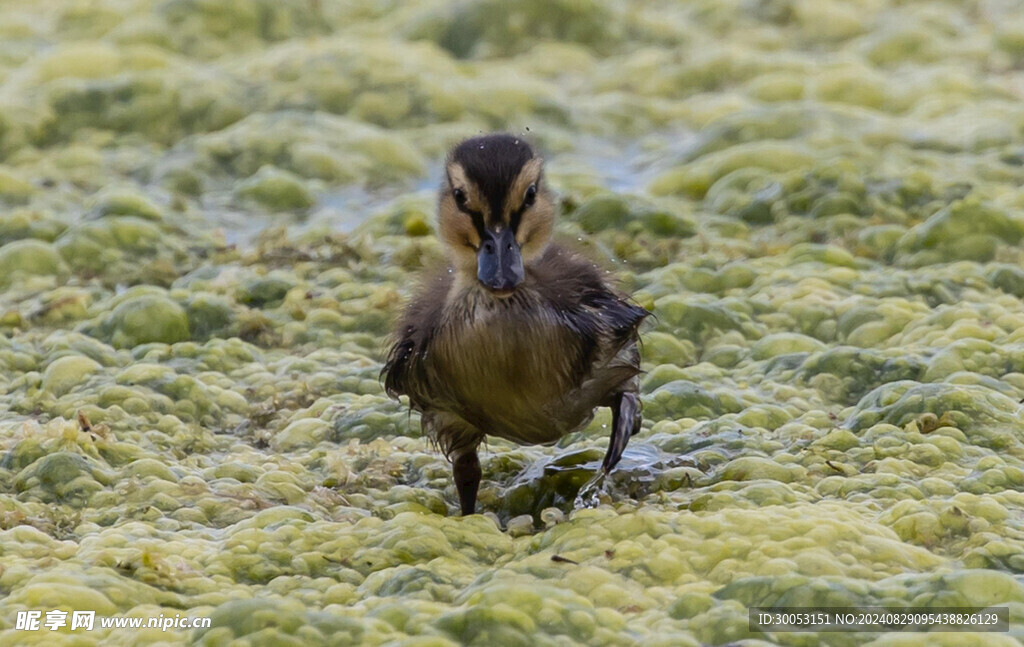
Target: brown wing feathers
(404,372)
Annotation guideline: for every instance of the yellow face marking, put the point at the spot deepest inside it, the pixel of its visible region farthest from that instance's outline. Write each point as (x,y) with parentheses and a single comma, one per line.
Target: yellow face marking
(455,228)
(459,182)
(529,174)
(536,221)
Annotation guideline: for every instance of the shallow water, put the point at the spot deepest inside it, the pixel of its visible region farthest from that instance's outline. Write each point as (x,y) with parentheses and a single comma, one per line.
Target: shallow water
(210,214)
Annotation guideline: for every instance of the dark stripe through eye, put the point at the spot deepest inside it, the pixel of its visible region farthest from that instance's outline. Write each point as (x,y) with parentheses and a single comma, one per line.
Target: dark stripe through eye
(528,200)
(478,218)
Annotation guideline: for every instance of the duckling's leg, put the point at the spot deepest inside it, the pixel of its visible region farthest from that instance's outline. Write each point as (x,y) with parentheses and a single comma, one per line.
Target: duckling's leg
(625,423)
(466,470)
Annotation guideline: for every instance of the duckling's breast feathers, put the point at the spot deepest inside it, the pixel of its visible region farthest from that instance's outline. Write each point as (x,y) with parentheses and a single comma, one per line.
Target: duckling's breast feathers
(529,368)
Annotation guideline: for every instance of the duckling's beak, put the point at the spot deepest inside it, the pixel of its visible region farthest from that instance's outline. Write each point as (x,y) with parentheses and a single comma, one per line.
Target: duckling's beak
(499,265)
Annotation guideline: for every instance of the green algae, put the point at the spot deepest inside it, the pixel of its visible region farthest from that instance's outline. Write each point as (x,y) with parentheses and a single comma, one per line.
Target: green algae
(276,189)
(144,319)
(127,202)
(25,258)
(66,373)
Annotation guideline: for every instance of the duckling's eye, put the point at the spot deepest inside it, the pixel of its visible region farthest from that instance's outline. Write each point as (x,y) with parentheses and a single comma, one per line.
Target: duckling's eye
(531,195)
(460,197)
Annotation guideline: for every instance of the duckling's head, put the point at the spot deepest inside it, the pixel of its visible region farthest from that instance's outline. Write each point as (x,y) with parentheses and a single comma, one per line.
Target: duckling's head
(496,213)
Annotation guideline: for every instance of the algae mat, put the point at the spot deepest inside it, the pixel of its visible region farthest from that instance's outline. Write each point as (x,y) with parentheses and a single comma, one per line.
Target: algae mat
(211,211)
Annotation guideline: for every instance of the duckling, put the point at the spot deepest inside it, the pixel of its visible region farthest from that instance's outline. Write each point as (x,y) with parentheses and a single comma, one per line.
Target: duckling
(518,338)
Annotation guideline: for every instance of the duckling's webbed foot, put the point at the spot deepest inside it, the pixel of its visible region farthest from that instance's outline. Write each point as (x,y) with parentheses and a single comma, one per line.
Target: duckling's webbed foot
(625,423)
(466,470)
